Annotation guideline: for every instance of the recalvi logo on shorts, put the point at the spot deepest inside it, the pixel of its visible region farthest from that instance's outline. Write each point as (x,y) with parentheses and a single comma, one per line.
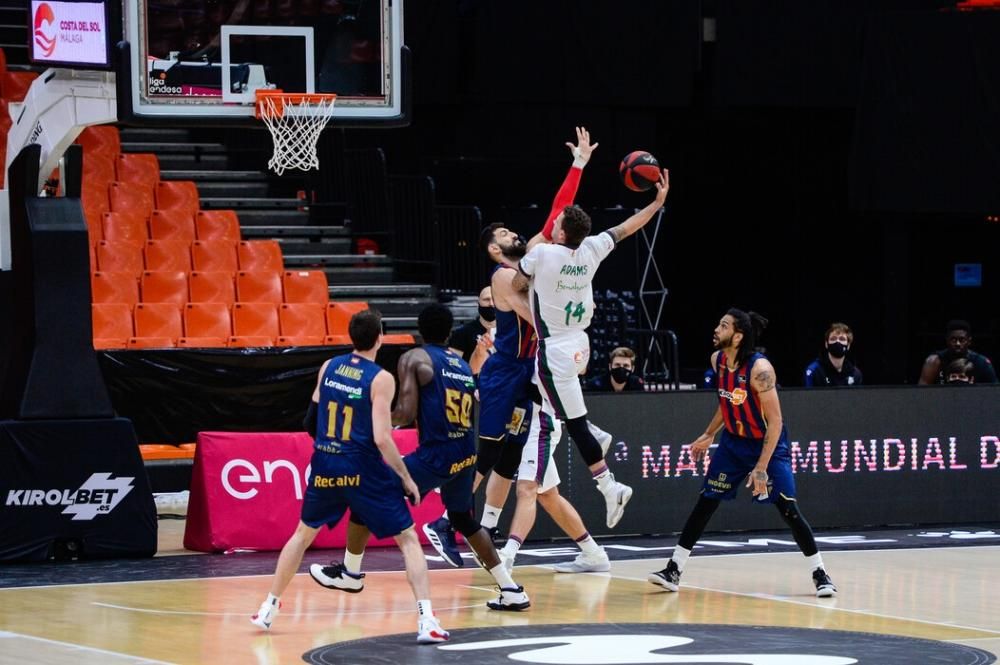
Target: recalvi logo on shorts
(338,481)
(98,495)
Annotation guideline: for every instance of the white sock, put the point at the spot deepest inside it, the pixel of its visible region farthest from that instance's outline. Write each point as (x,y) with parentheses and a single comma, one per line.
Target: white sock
(815,561)
(272,600)
(511,547)
(680,557)
(353,562)
(605,480)
(587,544)
(503,578)
(424,608)
(491,515)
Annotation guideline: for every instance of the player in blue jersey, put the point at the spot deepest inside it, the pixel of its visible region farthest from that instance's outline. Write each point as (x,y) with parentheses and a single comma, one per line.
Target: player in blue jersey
(753,446)
(355,464)
(436,388)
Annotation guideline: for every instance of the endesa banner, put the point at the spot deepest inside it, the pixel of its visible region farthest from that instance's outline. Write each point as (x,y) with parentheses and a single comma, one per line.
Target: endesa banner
(247,491)
(861,456)
(69,32)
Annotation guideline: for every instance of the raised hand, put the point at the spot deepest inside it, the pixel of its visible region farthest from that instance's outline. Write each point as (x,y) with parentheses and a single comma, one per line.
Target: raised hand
(583,148)
(663,186)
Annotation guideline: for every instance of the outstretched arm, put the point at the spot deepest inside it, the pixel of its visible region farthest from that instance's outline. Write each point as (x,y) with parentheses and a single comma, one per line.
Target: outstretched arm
(567,192)
(641,218)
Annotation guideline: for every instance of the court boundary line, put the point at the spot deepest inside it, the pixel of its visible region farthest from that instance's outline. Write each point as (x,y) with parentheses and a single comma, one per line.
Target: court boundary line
(7,634)
(146,610)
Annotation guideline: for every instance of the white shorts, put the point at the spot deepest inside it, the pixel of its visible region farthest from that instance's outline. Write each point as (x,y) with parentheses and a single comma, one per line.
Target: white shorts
(560,362)
(538,456)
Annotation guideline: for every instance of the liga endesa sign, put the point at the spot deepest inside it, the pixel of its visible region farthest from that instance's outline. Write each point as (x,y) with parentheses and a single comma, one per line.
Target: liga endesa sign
(247,491)
(861,456)
(69,32)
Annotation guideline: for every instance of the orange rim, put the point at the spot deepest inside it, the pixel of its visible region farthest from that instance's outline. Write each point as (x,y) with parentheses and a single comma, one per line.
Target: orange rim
(280,98)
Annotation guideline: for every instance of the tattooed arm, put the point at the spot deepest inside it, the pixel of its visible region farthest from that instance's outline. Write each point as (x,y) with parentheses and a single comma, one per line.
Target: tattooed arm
(763,384)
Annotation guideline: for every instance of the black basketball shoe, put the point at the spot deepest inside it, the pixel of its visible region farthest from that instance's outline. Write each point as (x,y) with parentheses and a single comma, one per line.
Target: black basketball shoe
(824,585)
(669,578)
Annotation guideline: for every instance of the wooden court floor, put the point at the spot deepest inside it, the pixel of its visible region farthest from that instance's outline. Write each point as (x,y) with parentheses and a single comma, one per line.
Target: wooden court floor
(944,594)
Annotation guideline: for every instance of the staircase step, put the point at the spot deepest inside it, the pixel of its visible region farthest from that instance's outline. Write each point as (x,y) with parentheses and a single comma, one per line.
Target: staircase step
(184,148)
(297,232)
(360,261)
(213,175)
(230,189)
(323,246)
(202,162)
(256,203)
(370,291)
(368,276)
(400,307)
(271,218)
(400,323)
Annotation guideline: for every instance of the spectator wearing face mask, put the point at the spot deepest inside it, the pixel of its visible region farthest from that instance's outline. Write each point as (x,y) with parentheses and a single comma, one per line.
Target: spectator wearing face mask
(832,368)
(621,375)
(474,340)
(960,372)
(958,337)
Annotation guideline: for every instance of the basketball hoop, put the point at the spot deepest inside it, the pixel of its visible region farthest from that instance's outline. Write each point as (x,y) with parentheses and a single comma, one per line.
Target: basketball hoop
(295,121)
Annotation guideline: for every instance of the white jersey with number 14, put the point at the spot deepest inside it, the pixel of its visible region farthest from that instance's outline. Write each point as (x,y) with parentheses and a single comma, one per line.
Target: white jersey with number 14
(562,298)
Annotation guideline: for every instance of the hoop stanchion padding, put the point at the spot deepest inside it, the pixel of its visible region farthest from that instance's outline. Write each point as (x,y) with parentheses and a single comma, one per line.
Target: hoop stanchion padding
(295,122)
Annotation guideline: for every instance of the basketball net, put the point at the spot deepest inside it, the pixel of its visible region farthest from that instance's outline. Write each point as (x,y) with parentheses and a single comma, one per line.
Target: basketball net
(295,122)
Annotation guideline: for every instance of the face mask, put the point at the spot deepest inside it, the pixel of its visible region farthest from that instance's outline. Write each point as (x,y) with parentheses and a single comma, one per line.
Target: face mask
(837,350)
(487,313)
(620,374)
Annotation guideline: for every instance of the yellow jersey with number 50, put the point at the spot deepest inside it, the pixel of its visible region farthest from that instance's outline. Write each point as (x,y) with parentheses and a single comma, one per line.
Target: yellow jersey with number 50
(344,423)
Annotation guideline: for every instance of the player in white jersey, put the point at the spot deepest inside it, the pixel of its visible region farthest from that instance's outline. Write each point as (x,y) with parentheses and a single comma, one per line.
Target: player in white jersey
(560,276)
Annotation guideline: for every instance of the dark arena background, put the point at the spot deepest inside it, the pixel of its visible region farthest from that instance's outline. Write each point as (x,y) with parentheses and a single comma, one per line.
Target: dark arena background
(166,300)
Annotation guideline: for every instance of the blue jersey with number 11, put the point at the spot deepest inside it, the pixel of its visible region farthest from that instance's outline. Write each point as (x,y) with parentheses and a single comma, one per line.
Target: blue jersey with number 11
(446,402)
(344,422)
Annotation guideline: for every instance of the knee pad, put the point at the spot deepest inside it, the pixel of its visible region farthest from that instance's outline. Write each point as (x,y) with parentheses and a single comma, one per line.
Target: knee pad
(789,510)
(585,442)
(510,458)
(464,523)
(488,454)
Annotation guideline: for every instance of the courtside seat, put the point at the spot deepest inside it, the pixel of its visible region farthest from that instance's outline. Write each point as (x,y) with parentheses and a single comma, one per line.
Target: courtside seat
(217,225)
(119,257)
(212,286)
(302,286)
(176,224)
(303,320)
(178,195)
(167,255)
(214,255)
(337,340)
(258,287)
(202,342)
(124,227)
(259,255)
(254,324)
(158,320)
(98,168)
(114,287)
(152,343)
(139,168)
(164,286)
(205,322)
(112,325)
(338,316)
(103,139)
(133,197)
(165,451)
(398,338)
(300,340)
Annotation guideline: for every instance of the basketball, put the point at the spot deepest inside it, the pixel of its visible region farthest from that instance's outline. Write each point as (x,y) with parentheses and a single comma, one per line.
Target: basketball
(639,170)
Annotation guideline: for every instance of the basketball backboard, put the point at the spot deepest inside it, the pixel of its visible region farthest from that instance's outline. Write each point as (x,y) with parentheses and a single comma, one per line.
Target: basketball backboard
(203,60)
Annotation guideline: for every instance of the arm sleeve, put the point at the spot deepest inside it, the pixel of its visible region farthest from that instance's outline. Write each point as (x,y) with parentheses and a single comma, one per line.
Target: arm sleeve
(564,197)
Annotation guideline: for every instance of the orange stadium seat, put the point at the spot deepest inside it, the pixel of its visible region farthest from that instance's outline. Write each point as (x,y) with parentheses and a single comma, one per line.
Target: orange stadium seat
(217,225)
(139,168)
(338,315)
(103,139)
(5,120)
(398,338)
(112,325)
(16,84)
(119,257)
(306,286)
(165,451)
(131,197)
(302,324)
(337,340)
(212,287)
(124,227)
(206,324)
(172,225)
(261,255)
(167,255)
(254,324)
(114,287)
(94,199)
(214,255)
(258,287)
(158,321)
(178,195)
(164,286)
(94,220)
(98,169)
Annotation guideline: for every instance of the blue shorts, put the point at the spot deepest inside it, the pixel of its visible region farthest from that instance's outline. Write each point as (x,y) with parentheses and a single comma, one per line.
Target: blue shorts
(503,383)
(363,483)
(450,466)
(735,458)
